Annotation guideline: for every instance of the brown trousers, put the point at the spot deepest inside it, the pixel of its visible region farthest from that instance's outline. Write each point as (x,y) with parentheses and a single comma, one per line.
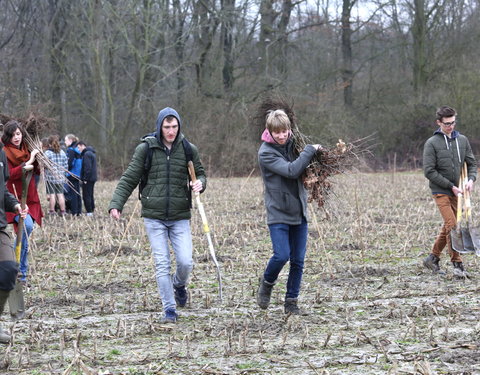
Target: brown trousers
(447,206)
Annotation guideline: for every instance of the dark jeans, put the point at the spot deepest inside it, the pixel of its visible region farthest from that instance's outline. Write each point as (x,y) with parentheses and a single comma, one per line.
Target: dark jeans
(72,195)
(88,197)
(289,244)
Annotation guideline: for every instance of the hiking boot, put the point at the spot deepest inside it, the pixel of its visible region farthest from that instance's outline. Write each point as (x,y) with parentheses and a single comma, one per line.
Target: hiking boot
(264,293)
(181,295)
(170,316)
(291,306)
(459,270)
(4,336)
(431,262)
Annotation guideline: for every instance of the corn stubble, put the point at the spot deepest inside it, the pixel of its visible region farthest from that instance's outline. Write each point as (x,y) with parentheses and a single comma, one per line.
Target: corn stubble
(372,309)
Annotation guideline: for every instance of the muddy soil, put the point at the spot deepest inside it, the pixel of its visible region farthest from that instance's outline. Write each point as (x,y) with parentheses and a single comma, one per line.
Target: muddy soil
(370,306)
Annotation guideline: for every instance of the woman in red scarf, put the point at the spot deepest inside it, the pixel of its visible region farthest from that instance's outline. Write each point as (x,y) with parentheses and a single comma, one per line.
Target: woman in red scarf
(18,156)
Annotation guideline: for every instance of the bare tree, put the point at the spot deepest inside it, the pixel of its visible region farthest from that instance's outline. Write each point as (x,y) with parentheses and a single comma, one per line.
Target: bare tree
(347,65)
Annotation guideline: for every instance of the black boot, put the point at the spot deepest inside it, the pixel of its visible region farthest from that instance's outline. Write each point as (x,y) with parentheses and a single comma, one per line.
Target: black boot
(459,270)
(264,293)
(291,306)
(4,336)
(431,262)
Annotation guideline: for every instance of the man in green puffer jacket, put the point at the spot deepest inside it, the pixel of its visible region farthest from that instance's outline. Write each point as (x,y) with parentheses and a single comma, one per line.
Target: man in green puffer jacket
(443,156)
(166,204)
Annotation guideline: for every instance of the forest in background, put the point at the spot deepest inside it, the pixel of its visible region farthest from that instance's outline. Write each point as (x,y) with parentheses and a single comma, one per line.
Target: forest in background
(104,68)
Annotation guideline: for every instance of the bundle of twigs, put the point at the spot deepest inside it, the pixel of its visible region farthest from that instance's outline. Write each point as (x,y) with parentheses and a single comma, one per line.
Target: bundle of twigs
(36,125)
(326,162)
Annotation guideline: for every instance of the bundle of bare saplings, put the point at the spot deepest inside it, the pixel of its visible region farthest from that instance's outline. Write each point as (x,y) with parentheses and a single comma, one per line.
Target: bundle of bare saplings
(326,162)
(35,125)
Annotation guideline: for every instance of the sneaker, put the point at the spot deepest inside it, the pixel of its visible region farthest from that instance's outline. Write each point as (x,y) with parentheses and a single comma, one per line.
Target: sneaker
(431,262)
(181,295)
(459,270)
(89,214)
(170,316)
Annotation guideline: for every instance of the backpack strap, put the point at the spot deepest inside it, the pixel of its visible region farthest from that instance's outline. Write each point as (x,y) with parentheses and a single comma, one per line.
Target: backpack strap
(147,164)
(187,148)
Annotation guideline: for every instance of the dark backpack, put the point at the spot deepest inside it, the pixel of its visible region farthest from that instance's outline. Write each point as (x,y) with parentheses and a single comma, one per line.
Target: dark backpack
(147,164)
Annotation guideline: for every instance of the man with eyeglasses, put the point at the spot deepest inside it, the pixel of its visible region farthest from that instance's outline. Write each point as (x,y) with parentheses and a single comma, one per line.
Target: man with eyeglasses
(443,157)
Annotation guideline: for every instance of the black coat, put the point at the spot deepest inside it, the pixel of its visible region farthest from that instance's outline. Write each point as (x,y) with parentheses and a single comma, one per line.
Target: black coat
(89,165)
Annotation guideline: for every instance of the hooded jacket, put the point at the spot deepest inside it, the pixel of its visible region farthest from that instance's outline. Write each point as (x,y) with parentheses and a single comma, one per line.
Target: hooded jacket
(443,158)
(74,160)
(166,194)
(89,165)
(285,194)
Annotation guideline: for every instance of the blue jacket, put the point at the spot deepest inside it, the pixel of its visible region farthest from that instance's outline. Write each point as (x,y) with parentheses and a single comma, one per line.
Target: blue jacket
(74,160)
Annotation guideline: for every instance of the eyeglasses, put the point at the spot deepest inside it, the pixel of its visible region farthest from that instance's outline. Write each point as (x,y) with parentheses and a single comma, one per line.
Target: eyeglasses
(449,123)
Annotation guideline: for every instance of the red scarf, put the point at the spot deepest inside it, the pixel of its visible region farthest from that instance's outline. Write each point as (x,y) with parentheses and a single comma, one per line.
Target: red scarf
(15,155)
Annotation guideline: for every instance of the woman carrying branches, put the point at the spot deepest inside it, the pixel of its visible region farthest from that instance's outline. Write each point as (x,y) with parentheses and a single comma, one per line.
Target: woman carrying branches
(18,155)
(286,204)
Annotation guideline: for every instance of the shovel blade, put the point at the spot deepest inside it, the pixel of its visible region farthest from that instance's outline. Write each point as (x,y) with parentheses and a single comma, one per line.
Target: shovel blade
(457,240)
(475,234)
(467,241)
(16,302)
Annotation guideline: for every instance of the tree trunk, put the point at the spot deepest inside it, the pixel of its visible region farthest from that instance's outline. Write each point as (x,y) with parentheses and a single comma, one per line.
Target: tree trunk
(347,65)
(267,27)
(228,12)
(419,30)
(282,58)
(57,29)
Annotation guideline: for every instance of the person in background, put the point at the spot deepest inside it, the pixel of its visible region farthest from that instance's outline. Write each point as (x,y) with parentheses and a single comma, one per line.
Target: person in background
(8,262)
(74,169)
(443,156)
(55,175)
(18,156)
(88,176)
(286,205)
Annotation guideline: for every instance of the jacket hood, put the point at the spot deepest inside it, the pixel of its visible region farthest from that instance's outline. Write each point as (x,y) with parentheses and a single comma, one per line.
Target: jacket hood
(88,148)
(455,133)
(267,137)
(161,116)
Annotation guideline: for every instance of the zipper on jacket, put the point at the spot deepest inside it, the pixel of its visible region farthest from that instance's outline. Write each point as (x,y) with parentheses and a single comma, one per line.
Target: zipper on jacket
(168,152)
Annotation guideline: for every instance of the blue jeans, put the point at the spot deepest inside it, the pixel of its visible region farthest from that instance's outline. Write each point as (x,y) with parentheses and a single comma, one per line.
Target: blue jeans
(28,222)
(178,232)
(289,244)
